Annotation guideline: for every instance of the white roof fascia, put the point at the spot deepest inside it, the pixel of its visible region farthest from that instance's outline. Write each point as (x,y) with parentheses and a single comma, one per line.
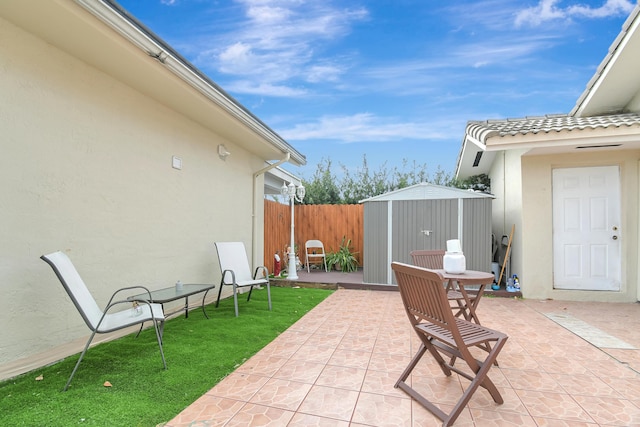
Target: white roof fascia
(608,63)
(564,139)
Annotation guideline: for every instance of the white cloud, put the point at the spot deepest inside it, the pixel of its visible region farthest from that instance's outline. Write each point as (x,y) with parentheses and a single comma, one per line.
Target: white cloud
(250,87)
(366,127)
(281,41)
(238,54)
(610,8)
(268,15)
(323,73)
(548,10)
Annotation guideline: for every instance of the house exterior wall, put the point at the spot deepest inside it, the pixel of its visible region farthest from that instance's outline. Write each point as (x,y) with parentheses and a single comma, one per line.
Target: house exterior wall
(634,104)
(87,169)
(537,269)
(506,186)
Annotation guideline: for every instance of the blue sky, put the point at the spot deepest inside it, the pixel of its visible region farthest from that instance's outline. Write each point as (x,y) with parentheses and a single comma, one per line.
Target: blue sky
(393,79)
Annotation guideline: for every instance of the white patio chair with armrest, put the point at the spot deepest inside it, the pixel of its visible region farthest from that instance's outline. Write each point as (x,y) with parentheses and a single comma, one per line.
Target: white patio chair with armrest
(317,253)
(236,272)
(103,321)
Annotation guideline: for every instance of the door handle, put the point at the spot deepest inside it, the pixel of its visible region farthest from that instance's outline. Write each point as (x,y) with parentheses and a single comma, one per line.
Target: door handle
(614,237)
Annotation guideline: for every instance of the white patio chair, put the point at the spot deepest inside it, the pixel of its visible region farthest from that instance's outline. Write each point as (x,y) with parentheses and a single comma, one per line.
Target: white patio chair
(103,321)
(317,253)
(236,272)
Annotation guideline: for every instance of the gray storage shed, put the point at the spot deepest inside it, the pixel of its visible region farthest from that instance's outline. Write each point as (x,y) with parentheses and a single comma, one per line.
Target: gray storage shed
(424,216)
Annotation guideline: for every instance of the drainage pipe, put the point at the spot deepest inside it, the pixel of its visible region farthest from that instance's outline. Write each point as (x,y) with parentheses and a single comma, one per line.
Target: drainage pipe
(254,219)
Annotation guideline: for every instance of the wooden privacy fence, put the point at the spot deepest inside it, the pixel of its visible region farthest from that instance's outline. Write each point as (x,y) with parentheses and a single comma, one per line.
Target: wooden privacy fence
(327,223)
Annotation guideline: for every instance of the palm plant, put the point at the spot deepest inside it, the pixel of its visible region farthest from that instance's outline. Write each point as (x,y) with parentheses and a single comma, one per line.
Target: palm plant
(343,259)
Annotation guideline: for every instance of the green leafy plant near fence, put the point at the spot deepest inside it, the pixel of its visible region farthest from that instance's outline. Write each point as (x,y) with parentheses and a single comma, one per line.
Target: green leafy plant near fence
(343,259)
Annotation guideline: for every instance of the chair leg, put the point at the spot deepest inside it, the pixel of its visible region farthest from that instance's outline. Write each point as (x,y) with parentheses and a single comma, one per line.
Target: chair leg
(86,347)
(204,298)
(481,379)
(411,392)
(411,365)
(235,298)
(159,331)
(269,294)
(219,293)
(250,290)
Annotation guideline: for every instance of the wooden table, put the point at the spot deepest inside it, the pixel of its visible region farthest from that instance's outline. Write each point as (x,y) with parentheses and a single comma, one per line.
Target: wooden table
(467,300)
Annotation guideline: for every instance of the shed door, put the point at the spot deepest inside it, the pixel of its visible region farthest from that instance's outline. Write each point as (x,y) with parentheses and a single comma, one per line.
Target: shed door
(586,228)
(422,224)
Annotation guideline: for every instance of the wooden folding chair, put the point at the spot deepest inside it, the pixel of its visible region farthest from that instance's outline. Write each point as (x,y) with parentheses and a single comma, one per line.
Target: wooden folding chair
(433,260)
(426,304)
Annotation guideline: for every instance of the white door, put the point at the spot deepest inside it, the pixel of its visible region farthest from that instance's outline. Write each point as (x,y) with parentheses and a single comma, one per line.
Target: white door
(586,228)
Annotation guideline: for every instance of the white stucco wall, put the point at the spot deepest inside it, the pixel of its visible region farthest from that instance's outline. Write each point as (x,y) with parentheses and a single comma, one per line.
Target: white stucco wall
(537,224)
(506,185)
(86,168)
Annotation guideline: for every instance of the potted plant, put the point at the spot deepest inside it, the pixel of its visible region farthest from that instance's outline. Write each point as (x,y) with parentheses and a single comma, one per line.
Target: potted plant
(343,259)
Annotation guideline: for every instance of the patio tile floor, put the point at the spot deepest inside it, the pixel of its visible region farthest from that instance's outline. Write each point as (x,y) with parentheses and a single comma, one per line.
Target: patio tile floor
(337,366)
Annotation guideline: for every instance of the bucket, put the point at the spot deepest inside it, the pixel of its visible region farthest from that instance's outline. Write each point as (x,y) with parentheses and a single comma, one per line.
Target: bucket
(495,269)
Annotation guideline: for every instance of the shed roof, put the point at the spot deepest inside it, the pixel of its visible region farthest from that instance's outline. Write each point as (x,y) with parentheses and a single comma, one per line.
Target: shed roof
(427,191)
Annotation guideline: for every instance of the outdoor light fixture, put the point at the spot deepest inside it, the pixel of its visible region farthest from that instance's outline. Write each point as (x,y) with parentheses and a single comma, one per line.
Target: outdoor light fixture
(292,193)
(223,152)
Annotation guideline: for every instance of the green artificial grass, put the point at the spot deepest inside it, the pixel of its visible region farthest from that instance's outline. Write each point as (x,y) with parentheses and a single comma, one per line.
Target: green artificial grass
(199,353)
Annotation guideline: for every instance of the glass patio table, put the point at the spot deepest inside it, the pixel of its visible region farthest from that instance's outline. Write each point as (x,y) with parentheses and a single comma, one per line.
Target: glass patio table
(173,293)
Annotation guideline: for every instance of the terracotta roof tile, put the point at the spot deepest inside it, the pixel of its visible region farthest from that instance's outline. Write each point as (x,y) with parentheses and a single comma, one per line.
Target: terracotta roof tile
(481,130)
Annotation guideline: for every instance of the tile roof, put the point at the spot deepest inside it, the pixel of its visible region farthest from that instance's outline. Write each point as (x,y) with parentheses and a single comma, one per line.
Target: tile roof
(481,130)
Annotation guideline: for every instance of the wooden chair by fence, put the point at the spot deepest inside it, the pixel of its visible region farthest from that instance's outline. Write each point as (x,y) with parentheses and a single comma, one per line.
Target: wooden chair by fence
(441,333)
(433,260)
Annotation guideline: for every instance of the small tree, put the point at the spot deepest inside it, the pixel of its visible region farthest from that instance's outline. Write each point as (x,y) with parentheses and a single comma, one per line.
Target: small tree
(354,186)
(322,189)
(480,182)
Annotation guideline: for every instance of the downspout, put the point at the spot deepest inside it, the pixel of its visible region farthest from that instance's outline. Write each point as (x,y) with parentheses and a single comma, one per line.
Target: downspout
(254,226)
